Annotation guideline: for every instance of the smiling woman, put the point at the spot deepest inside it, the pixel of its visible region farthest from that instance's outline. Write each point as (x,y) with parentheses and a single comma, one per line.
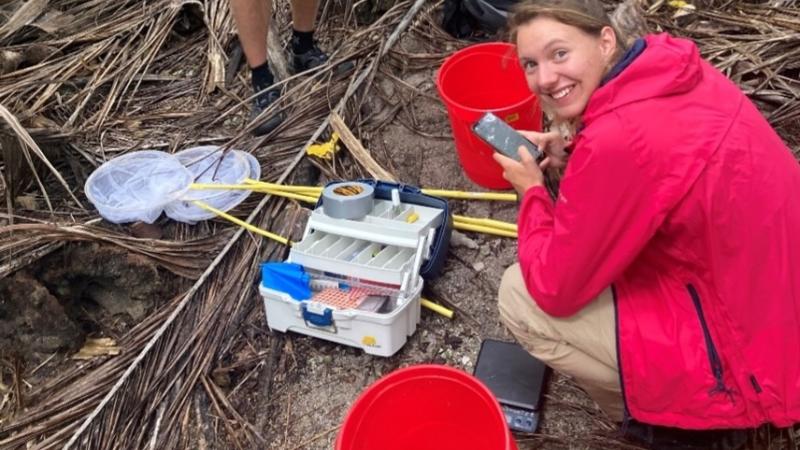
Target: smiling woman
(565,54)
(675,226)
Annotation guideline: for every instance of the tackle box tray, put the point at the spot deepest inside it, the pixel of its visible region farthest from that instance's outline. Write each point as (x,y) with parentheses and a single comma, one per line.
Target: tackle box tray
(367,274)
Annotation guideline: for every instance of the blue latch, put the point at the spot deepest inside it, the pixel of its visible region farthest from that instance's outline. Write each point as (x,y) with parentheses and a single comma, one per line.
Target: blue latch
(321,320)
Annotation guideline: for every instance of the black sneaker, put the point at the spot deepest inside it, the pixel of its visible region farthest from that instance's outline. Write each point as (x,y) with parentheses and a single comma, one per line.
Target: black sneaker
(315,57)
(261,102)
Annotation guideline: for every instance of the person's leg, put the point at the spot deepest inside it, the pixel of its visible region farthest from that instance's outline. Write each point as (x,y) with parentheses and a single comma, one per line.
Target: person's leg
(252,19)
(304,13)
(305,54)
(582,346)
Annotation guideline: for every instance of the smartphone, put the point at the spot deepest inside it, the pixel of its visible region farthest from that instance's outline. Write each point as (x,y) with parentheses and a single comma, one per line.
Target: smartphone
(504,139)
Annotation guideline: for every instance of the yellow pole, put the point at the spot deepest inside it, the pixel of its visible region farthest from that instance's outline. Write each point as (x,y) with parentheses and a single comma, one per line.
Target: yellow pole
(458,225)
(464,195)
(437,308)
(292,195)
(306,190)
(310,195)
(243,224)
(486,222)
(257,188)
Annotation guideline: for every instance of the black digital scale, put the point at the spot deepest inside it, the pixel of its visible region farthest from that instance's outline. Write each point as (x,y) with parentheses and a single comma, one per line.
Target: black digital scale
(516,378)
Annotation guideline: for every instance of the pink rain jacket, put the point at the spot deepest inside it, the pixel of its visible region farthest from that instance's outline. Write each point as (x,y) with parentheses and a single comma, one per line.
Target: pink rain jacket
(680,196)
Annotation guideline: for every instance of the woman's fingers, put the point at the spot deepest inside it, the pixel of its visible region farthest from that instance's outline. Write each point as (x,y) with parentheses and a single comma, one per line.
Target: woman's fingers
(540,139)
(502,159)
(521,174)
(546,162)
(525,156)
(550,143)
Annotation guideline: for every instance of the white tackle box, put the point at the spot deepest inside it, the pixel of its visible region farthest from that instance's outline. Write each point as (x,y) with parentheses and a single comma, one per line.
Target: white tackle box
(360,279)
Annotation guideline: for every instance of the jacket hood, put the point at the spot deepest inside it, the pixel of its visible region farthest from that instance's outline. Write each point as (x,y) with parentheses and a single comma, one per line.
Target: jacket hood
(668,66)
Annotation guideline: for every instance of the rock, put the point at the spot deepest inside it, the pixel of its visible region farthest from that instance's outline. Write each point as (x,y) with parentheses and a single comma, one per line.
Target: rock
(221,377)
(146,230)
(306,173)
(119,282)
(9,61)
(27,202)
(453,341)
(83,288)
(478,266)
(32,320)
(459,239)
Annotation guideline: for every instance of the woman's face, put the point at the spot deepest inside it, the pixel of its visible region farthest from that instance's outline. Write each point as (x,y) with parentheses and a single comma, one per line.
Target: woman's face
(563,64)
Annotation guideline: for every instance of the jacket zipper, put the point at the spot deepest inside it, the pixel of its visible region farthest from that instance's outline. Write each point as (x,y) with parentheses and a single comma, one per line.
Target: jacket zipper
(626,418)
(754,382)
(711,350)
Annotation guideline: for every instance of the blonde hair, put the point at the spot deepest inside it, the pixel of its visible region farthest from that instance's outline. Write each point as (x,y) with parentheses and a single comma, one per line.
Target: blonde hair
(586,15)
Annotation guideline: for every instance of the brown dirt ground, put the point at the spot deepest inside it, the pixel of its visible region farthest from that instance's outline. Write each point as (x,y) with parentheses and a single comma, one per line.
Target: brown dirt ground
(315,382)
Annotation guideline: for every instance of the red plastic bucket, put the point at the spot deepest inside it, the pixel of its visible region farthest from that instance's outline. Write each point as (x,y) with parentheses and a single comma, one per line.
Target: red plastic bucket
(426,407)
(478,79)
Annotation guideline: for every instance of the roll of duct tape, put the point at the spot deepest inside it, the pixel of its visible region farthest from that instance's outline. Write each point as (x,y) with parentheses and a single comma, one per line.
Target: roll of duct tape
(347,200)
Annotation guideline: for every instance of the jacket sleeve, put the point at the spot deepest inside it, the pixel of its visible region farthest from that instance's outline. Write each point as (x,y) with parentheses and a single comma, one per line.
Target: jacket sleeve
(606,212)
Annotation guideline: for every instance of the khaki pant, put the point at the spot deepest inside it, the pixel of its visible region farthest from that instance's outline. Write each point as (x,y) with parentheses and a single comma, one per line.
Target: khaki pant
(583,346)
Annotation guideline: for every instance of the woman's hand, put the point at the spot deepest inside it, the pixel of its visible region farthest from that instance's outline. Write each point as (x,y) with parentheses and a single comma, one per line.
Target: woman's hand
(552,145)
(524,174)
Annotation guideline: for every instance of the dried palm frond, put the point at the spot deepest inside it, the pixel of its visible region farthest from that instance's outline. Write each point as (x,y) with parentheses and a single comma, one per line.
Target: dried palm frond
(163,358)
(27,146)
(102,61)
(217,18)
(184,258)
(146,394)
(107,79)
(757,45)
(10,385)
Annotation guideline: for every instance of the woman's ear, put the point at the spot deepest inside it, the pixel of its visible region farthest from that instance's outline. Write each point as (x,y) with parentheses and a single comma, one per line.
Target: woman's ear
(608,42)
